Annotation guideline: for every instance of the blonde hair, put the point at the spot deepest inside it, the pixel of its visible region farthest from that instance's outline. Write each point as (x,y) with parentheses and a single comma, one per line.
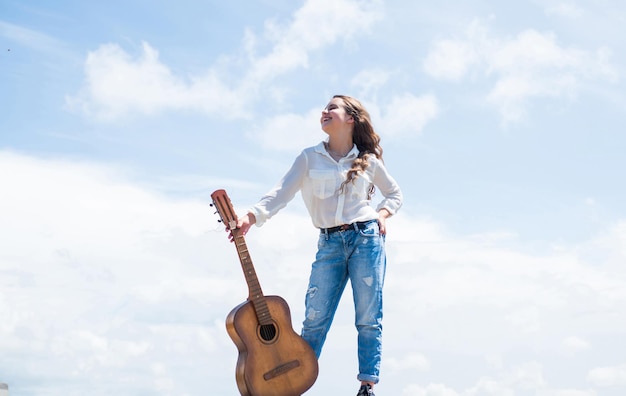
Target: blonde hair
(365,138)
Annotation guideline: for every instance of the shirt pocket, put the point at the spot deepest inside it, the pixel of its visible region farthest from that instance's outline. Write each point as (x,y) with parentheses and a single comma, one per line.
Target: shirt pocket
(361,186)
(323,183)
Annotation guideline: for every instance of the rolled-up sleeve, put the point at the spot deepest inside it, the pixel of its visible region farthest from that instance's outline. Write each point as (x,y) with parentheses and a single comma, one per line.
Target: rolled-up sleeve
(389,188)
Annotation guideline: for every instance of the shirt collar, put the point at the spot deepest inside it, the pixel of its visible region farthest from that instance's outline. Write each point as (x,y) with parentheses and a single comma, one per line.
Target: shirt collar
(320,148)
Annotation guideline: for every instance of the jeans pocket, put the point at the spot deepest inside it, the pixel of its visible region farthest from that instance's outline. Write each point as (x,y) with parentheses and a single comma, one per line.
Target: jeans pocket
(370,230)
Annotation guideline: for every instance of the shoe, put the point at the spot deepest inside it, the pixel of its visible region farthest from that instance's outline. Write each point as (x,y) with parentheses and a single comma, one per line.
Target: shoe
(366,390)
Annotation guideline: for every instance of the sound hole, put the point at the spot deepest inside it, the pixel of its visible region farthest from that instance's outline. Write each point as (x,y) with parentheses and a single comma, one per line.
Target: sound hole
(267,332)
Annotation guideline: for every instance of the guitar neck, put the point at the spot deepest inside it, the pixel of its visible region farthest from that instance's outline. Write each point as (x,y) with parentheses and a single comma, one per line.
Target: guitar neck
(255,294)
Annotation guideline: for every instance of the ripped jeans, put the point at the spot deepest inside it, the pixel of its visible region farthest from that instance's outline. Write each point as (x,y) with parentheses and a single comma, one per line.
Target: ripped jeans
(358,255)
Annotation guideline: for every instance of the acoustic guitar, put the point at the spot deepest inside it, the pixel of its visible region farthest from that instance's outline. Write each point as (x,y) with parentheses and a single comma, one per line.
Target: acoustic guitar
(273,360)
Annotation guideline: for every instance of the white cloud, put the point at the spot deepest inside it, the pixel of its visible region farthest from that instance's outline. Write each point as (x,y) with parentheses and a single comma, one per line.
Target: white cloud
(116,84)
(111,281)
(526,376)
(369,81)
(529,66)
(612,240)
(489,387)
(608,376)
(480,268)
(429,390)
(526,379)
(450,59)
(290,132)
(317,24)
(575,344)
(406,114)
(566,392)
(526,319)
(412,362)
(103,279)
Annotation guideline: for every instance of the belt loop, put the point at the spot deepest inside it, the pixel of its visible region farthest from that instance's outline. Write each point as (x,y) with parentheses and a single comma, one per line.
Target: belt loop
(326,233)
(355,225)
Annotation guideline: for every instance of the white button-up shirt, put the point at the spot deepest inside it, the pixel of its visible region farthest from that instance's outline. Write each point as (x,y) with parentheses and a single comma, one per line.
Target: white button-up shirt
(318,177)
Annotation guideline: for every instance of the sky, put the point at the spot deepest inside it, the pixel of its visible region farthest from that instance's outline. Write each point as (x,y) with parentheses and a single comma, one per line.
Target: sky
(504,124)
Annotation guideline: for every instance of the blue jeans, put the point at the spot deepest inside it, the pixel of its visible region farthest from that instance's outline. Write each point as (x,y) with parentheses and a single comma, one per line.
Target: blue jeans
(358,255)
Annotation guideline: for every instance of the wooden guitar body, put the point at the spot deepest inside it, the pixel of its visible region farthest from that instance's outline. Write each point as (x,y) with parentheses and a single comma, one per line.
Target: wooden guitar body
(277,363)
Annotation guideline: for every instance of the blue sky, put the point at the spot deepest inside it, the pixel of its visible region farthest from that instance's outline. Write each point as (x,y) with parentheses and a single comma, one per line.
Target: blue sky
(504,124)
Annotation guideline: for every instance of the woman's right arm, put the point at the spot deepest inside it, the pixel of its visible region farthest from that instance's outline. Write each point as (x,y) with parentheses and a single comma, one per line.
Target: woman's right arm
(279,196)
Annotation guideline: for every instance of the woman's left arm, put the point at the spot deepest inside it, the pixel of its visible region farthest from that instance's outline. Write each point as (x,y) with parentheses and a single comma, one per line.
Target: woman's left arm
(391,192)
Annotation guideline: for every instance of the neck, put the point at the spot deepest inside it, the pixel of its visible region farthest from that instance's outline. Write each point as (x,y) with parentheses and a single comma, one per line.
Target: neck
(341,144)
(337,150)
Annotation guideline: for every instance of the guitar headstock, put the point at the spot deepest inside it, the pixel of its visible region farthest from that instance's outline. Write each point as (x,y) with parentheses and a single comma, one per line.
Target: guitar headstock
(224,209)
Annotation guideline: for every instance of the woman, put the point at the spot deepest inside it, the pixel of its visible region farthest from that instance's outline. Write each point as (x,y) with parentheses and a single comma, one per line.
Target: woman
(337,179)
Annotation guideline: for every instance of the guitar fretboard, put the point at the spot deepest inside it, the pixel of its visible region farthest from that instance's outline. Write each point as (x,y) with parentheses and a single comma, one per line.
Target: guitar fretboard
(255,294)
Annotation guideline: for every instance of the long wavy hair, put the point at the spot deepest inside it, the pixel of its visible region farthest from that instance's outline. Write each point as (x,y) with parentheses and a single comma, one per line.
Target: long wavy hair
(365,138)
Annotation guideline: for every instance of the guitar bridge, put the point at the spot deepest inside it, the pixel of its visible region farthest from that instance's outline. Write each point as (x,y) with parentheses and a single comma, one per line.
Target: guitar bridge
(282,369)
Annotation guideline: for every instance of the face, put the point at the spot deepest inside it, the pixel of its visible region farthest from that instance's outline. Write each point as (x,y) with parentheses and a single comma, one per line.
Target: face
(334,116)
